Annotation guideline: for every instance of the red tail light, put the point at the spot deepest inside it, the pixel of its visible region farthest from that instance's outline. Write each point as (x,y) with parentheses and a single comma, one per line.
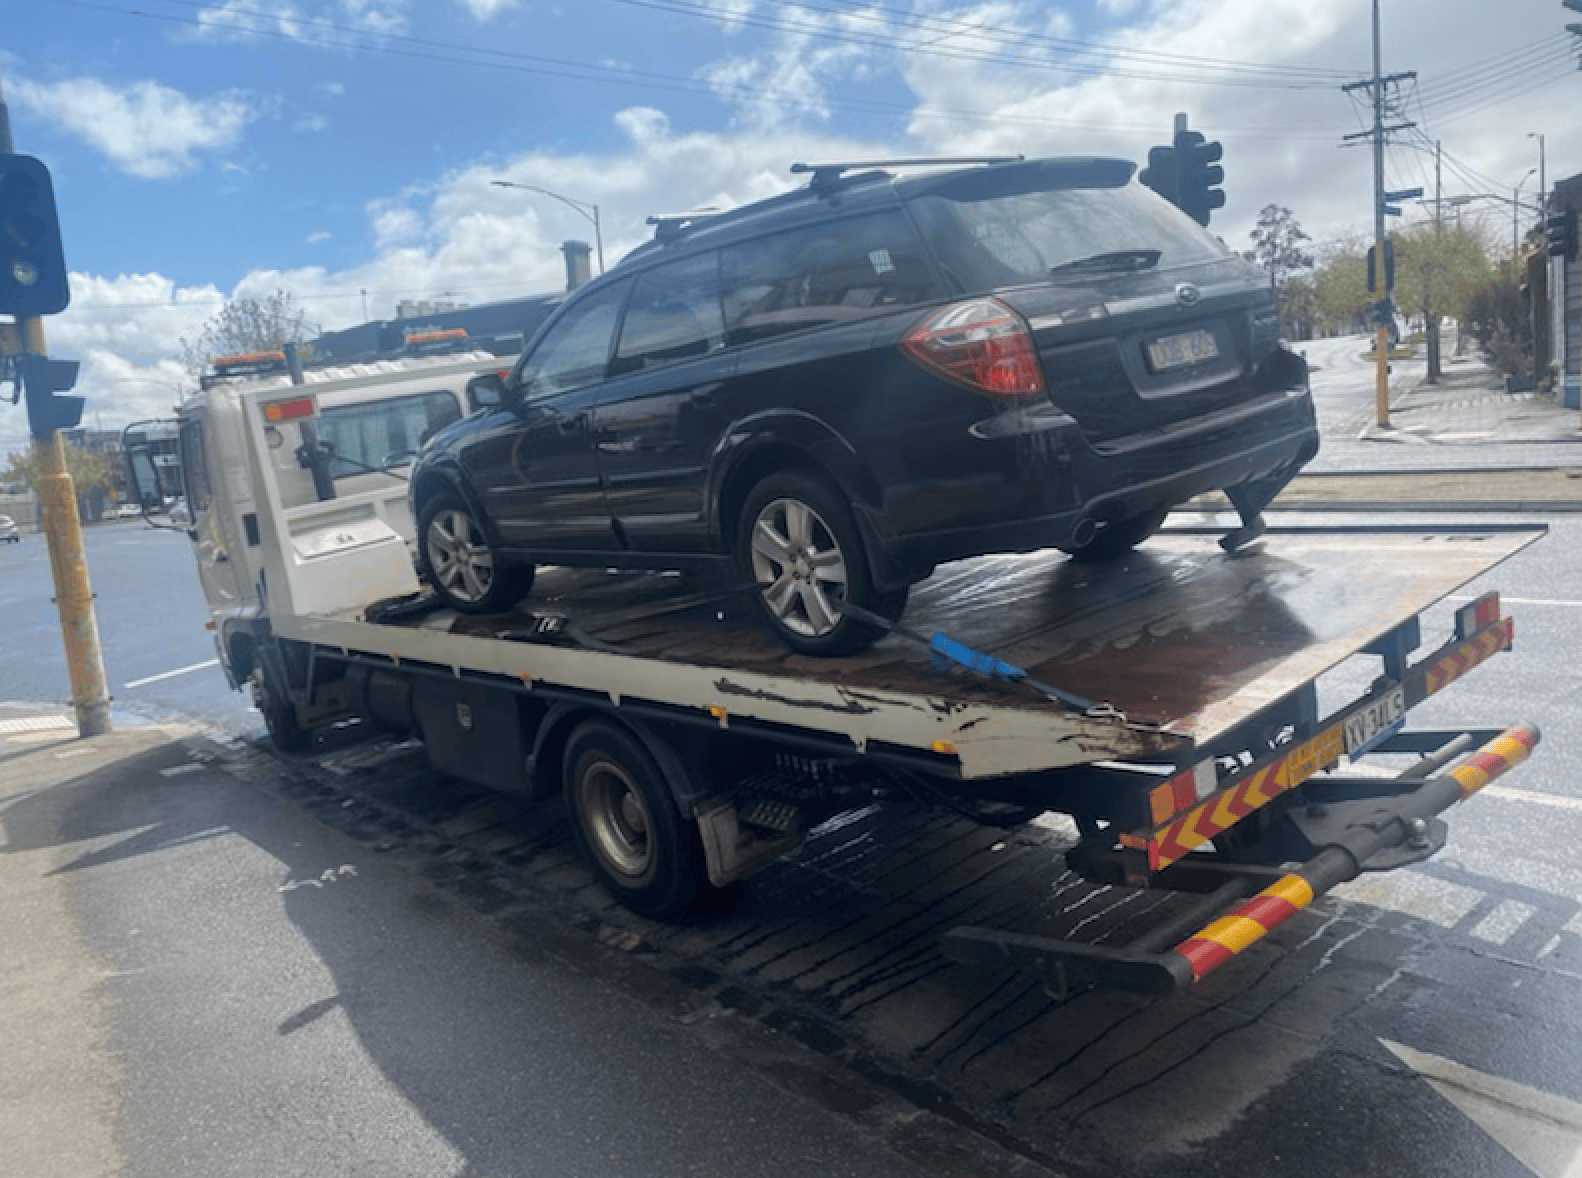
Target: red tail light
(982,344)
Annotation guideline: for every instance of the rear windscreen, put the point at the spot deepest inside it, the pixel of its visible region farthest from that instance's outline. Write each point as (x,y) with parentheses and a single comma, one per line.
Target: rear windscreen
(988,239)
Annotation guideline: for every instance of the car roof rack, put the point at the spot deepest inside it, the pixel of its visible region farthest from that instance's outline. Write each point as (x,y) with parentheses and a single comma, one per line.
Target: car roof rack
(668,226)
(825,175)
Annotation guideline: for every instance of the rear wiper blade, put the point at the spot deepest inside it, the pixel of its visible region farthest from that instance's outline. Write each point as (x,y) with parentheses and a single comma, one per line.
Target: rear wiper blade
(1123,260)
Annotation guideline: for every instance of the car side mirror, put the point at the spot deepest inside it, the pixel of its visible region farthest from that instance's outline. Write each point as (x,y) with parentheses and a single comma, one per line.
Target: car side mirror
(486,389)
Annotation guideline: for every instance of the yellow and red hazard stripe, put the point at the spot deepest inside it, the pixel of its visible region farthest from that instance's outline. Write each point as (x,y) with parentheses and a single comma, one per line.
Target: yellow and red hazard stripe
(1248,922)
(1254,919)
(1509,748)
(1189,809)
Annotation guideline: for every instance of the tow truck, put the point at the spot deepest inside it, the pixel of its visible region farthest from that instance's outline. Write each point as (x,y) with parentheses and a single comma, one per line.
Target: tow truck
(1201,711)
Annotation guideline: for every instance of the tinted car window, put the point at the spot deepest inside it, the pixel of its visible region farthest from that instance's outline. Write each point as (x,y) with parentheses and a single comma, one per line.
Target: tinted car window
(994,239)
(575,350)
(827,273)
(674,315)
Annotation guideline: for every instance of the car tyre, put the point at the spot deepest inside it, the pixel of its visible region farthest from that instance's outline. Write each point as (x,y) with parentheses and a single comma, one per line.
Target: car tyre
(1117,539)
(798,541)
(628,825)
(464,569)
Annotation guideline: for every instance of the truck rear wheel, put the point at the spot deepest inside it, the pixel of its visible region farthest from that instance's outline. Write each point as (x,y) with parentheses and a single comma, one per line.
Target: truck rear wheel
(627,822)
(280,715)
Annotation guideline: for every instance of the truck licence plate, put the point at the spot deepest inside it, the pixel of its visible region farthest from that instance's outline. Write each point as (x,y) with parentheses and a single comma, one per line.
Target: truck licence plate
(1381,718)
(1181,351)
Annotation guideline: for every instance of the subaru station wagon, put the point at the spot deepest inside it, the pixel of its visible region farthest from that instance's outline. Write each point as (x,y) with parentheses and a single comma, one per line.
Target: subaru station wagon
(826,394)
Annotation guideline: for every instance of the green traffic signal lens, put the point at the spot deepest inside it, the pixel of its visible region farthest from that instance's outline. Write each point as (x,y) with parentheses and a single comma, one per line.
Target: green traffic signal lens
(25,273)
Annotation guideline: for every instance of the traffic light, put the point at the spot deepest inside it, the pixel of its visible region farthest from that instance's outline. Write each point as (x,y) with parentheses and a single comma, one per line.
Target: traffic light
(32,263)
(41,379)
(1162,173)
(1389,266)
(1560,233)
(1200,175)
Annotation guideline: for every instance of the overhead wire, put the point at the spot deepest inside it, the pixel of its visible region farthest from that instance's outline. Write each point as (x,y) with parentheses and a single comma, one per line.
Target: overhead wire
(536,65)
(1207,71)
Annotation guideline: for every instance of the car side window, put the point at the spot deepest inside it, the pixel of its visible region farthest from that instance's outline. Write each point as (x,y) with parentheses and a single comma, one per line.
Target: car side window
(674,315)
(832,272)
(575,351)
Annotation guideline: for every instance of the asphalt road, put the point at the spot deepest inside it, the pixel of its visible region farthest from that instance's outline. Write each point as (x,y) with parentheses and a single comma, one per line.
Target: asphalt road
(159,660)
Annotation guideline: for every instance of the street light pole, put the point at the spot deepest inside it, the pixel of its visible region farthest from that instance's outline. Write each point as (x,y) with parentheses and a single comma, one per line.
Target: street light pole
(1516,212)
(587,209)
(1543,188)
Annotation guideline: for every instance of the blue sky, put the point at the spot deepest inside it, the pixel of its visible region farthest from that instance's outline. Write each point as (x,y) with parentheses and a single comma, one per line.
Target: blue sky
(343,149)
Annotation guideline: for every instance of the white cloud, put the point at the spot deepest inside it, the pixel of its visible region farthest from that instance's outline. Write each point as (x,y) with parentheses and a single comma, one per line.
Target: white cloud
(310,123)
(786,82)
(239,20)
(127,333)
(483,10)
(243,20)
(144,129)
(320,235)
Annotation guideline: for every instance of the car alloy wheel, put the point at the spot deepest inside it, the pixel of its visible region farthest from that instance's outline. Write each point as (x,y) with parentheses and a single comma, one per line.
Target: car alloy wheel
(461,565)
(798,561)
(799,543)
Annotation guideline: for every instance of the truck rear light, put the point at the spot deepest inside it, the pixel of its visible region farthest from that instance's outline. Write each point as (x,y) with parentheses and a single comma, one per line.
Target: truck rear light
(982,344)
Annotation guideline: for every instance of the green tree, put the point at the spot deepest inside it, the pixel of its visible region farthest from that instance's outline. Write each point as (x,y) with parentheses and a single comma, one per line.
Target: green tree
(1500,319)
(1437,270)
(89,470)
(1340,289)
(1279,245)
(247,325)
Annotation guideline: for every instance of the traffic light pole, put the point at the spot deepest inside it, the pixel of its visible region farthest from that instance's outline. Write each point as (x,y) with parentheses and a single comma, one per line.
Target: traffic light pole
(68,562)
(1381,338)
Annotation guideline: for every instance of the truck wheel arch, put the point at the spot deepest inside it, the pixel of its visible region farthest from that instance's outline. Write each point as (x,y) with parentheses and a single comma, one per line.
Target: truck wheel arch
(554,733)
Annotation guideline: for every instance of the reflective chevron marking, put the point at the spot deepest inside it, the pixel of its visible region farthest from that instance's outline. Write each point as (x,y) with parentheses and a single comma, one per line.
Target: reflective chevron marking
(1185,814)
(1221,812)
(1447,669)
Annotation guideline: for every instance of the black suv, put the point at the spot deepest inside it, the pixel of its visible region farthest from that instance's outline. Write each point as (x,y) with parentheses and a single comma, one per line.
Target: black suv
(830,392)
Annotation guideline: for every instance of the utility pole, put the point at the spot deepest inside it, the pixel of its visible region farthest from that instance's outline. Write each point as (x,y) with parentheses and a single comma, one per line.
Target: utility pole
(1380,245)
(68,562)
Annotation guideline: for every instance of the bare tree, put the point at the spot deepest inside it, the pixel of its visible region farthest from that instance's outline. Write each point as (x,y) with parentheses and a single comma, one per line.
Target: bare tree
(1277,246)
(247,325)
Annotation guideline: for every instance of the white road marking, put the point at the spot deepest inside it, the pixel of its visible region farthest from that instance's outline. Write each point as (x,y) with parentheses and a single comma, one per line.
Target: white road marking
(1528,795)
(1542,1131)
(1501,924)
(1520,601)
(169,674)
(35,724)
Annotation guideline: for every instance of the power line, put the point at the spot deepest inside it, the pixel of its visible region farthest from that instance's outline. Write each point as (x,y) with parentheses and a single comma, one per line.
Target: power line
(534,65)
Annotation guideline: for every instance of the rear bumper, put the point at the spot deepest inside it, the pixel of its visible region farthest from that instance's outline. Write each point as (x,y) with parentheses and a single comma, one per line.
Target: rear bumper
(1055,502)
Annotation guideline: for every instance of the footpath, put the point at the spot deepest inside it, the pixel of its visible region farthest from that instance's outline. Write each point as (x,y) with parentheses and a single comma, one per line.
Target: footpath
(1462,444)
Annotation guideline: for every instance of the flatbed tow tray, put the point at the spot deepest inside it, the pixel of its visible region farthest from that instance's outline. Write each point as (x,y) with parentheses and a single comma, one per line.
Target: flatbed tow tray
(1189,642)
(1183,640)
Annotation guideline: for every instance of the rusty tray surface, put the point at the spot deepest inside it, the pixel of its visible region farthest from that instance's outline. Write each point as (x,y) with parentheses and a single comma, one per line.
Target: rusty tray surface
(1179,634)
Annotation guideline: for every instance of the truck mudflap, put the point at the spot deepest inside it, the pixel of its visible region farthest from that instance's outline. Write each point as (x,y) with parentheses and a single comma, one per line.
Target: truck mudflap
(1366,824)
